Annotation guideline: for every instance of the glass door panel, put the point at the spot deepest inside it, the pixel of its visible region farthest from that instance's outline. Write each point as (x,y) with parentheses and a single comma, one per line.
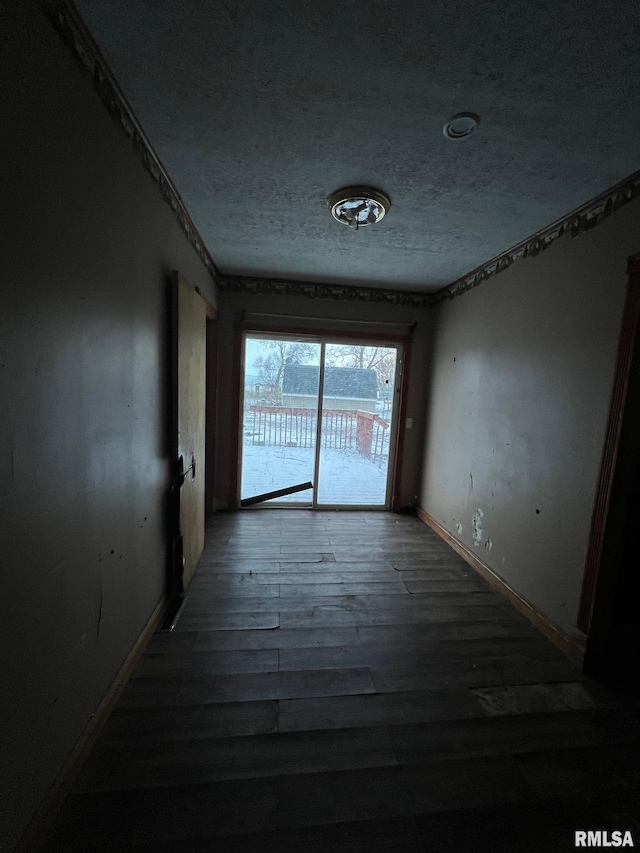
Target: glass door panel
(279,419)
(356,437)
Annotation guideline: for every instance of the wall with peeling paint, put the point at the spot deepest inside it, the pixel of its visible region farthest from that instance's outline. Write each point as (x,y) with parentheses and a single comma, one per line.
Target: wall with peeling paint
(521,379)
(83,365)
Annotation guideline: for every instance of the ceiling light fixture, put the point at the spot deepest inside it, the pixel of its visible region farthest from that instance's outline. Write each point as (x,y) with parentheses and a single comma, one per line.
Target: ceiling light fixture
(461,125)
(358,206)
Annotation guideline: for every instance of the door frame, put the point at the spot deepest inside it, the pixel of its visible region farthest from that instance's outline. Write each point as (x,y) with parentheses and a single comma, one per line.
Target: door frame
(211,407)
(174,573)
(600,571)
(323,336)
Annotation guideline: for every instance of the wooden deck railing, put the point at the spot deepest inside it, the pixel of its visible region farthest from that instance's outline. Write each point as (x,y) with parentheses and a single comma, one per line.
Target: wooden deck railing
(342,429)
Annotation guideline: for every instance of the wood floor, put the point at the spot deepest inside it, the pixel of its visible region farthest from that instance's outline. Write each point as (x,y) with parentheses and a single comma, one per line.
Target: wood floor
(345,682)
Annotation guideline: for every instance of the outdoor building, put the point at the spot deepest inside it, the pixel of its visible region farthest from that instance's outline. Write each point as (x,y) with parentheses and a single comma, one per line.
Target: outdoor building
(345,388)
(252,382)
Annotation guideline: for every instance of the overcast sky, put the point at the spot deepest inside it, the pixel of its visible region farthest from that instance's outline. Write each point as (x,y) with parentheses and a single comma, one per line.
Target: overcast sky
(254,349)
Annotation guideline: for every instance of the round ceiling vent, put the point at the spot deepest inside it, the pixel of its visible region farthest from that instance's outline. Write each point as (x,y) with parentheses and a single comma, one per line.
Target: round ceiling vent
(358,206)
(461,125)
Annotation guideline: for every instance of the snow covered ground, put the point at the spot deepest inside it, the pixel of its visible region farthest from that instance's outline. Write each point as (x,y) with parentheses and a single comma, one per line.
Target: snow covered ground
(346,477)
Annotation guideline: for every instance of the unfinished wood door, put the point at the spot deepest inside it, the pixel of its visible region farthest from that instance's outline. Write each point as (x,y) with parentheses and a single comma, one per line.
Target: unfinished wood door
(191,392)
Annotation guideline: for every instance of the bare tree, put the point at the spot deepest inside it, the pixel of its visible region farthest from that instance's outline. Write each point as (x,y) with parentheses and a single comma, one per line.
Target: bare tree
(271,365)
(380,359)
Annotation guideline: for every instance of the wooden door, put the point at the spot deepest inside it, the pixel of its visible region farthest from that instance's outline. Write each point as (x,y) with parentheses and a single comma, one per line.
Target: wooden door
(609,616)
(191,396)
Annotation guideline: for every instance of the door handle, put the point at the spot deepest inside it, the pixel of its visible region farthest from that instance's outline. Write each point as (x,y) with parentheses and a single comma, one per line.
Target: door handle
(182,474)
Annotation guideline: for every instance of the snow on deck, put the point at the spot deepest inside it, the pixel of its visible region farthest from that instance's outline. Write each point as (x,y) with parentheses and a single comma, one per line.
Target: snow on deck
(346,477)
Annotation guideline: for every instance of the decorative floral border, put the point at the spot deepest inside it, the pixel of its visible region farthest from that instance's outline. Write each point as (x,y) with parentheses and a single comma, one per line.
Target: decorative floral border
(577,222)
(74,33)
(77,37)
(340,292)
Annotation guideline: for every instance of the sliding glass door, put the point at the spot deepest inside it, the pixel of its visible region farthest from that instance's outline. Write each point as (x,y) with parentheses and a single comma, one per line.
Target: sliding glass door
(318,422)
(280,417)
(357,408)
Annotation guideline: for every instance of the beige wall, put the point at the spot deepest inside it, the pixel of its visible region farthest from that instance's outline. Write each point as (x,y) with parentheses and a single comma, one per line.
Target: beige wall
(322,312)
(522,369)
(88,246)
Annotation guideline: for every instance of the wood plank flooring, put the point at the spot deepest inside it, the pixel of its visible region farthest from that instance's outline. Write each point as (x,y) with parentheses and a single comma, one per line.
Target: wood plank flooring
(345,682)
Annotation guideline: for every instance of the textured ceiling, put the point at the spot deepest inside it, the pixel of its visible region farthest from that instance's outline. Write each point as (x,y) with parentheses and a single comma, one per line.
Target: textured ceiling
(259,110)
